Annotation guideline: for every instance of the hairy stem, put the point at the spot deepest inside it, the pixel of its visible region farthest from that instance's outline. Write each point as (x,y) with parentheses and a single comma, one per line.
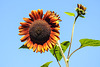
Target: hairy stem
(58,44)
(72,36)
(74,52)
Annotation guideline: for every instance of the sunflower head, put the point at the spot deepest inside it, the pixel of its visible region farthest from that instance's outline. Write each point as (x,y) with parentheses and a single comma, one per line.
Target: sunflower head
(40,31)
(81,9)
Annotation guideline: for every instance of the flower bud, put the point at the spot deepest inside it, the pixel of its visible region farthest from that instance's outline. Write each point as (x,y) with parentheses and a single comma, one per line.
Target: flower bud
(81,9)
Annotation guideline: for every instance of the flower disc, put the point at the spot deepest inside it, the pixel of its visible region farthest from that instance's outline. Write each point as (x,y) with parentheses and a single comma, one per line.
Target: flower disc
(39,31)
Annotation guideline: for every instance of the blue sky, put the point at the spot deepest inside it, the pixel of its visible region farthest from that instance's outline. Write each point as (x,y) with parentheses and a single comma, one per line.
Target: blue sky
(11,14)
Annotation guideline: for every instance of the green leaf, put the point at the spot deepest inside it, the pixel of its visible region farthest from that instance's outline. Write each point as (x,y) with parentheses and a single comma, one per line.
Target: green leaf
(65,45)
(70,14)
(89,42)
(24,47)
(56,52)
(46,64)
(82,16)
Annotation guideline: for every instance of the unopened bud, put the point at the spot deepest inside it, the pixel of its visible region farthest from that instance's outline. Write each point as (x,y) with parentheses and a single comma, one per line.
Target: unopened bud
(81,9)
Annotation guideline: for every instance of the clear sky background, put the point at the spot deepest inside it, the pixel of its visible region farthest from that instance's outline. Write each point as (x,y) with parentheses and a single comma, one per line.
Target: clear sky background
(12,13)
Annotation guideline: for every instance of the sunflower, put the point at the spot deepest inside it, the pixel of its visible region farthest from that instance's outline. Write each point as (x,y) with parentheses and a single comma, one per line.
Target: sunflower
(40,31)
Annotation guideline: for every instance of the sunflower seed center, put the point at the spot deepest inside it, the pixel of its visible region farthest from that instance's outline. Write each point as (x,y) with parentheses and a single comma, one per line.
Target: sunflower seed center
(39,31)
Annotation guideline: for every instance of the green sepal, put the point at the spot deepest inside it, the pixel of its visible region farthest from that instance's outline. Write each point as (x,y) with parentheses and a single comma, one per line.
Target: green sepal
(81,16)
(24,47)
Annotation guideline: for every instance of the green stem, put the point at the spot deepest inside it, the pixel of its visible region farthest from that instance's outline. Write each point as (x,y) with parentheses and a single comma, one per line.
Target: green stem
(72,35)
(74,52)
(58,44)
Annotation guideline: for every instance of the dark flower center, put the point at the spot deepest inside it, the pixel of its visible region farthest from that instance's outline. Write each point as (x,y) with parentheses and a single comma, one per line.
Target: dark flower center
(39,31)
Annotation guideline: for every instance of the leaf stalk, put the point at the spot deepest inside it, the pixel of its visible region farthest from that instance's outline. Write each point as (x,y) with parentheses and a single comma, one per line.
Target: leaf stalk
(74,52)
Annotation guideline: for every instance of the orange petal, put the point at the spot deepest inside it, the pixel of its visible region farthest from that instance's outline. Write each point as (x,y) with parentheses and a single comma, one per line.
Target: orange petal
(28,44)
(27,20)
(24,24)
(51,16)
(49,44)
(54,41)
(38,11)
(54,25)
(45,46)
(28,40)
(20,27)
(53,44)
(55,33)
(43,49)
(38,17)
(24,37)
(31,46)
(32,17)
(53,19)
(56,28)
(35,14)
(54,37)
(39,48)
(36,50)
(41,13)
(78,5)
(81,6)
(34,47)
(84,8)
(56,22)
(59,20)
(24,29)
(57,37)
(23,33)
(57,15)
(46,15)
